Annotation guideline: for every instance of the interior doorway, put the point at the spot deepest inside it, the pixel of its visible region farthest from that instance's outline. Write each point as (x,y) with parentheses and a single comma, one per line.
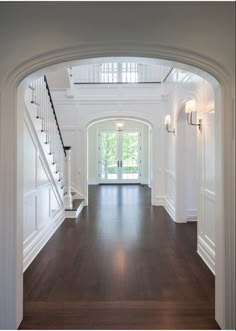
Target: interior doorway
(119,152)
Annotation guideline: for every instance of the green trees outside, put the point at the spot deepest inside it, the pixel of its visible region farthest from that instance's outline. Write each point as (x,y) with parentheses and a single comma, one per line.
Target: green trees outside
(109,152)
(129,157)
(130,152)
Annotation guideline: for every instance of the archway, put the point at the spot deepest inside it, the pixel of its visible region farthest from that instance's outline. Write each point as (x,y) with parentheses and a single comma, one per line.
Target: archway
(131,119)
(11,129)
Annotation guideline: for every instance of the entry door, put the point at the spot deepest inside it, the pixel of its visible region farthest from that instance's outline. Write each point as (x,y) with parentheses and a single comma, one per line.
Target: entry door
(119,156)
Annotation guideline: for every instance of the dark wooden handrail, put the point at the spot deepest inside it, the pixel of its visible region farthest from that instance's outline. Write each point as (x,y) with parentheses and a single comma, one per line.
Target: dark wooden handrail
(54,113)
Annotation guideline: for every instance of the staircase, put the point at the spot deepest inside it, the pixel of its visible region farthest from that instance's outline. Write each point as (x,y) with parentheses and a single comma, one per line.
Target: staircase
(56,156)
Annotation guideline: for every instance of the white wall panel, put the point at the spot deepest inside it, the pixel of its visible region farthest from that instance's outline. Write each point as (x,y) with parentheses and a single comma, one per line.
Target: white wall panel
(30,215)
(43,212)
(187,163)
(42,178)
(209,150)
(208,226)
(30,154)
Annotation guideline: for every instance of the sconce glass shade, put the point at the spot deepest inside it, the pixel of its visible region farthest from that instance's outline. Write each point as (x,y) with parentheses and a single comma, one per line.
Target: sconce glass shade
(190,106)
(167,120)
(120,126)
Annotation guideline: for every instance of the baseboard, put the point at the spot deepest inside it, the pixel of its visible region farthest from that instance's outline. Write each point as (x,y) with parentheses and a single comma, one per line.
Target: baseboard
(158,201)
(191,215)
(206,253)
(170,208)
(144,181)
(40,240)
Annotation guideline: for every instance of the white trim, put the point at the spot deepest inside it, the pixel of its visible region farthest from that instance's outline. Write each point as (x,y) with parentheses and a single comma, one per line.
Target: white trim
(159,201)
(78,194)
(170,208)
(191,215)
(100,101)
(74,213)
(206,253)
(32,250)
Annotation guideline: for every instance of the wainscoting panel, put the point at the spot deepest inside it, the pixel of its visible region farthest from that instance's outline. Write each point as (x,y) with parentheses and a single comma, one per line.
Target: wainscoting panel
(43,209)
(207,219)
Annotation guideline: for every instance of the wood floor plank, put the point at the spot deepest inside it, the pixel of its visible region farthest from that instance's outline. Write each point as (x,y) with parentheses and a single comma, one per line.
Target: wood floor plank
(122,264)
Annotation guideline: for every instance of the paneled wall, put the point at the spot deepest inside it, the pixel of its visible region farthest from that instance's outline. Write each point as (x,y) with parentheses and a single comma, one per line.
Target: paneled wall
(181,164)
(206,229)
(43,210)
(186,170)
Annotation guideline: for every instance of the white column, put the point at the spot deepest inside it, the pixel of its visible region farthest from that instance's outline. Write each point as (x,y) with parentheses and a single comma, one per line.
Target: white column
(68,196)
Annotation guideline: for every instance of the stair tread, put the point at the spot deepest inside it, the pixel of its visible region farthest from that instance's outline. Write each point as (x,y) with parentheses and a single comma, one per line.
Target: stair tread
(76,204)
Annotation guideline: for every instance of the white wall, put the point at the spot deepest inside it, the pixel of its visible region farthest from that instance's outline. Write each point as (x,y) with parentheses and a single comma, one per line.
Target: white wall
(192,86)
(111,125)
(186,170)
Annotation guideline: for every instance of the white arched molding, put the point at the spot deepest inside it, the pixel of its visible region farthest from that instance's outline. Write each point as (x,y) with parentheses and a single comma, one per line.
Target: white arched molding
(11,291)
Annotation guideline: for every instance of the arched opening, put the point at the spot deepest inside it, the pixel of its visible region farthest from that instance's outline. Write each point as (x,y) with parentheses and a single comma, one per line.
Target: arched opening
(116,156)
(11,86)
(119,155)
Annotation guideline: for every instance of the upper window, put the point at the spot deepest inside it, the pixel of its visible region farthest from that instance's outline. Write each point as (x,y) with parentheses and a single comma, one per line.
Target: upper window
(109,72)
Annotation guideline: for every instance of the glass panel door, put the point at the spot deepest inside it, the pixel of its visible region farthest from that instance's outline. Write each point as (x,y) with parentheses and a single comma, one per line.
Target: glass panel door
(119,156)
(109,156)
(130,159)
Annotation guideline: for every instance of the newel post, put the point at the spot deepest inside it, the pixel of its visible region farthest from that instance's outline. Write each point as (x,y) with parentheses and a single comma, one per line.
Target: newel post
(68,196)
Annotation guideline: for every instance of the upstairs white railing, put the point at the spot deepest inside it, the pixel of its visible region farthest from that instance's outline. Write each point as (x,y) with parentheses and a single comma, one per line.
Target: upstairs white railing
(42,99)
(118,73)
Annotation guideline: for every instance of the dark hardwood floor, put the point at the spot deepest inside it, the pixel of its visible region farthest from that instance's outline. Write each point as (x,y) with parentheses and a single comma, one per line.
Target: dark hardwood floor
(121,264)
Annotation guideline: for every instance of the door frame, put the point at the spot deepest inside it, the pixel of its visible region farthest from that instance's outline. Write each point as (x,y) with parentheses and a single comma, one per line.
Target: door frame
(11,161)
(119,156)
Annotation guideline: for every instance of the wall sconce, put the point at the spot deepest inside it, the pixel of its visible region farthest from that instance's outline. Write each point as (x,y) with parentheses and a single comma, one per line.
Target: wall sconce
(120,126)
(190,107)
(167,123)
